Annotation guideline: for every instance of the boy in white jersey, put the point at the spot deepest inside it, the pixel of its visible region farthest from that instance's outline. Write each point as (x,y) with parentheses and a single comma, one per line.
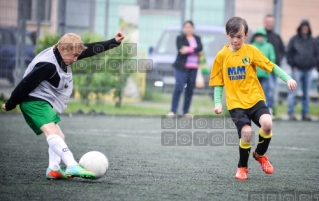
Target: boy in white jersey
(44,92)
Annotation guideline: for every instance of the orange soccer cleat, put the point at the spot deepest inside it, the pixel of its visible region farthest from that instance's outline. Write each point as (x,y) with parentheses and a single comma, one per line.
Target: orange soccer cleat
(264,163)
(55,174)
(241,173)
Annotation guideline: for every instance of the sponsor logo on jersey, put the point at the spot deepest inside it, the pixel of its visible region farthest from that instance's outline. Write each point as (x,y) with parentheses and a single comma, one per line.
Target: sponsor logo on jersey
(237,73)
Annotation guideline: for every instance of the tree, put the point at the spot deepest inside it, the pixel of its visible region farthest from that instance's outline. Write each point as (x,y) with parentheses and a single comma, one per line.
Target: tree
(90,74)
(47,41)
(101,74)
(121,66)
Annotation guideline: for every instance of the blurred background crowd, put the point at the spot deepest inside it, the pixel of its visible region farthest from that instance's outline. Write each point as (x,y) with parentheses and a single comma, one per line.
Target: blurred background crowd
(289,26)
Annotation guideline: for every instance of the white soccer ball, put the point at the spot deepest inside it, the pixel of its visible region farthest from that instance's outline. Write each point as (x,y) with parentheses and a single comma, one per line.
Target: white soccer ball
(95,162)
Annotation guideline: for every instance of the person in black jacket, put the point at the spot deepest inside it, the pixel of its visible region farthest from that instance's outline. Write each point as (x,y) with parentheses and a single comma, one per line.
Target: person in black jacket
(189,46)
(317,57)
(301,56)
(276,41)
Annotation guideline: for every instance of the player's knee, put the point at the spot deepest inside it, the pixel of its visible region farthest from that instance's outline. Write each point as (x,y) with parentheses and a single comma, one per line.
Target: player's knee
(246,139)
(49,129)
(246,134)
(266,123)
(267,126)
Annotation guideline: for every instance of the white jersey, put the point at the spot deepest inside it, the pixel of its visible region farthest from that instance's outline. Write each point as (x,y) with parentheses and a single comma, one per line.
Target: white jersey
(57,97)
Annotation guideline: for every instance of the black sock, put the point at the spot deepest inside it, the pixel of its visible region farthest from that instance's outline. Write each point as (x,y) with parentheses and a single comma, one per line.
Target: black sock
(244,151)
(263,143)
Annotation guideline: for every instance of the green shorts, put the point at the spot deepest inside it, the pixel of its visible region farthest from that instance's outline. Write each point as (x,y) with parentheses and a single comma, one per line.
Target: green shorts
(38,113)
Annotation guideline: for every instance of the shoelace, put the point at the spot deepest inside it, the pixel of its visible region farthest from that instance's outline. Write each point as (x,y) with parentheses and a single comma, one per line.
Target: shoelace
(265,164)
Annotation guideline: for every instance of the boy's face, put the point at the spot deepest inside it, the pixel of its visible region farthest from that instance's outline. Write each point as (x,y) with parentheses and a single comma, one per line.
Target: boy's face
(70,56)
(237,40)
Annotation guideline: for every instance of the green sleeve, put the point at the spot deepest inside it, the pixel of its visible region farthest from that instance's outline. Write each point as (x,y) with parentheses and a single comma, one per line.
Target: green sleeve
(281,74)
(218,93)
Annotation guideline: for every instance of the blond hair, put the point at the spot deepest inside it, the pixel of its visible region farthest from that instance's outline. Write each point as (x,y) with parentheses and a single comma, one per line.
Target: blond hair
(71,41)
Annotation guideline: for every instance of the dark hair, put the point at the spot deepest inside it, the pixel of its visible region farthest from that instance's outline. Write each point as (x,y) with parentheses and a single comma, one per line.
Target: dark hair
(189,22)
(269,15)
(234,25)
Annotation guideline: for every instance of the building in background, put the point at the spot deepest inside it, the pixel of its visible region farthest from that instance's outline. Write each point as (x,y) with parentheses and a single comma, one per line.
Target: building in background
(101,16)
(157,15)
(293,11)
(9,12)
(290,14)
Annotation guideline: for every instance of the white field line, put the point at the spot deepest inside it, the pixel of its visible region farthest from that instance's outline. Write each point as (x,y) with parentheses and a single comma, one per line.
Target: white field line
(108,132)
(121,133)
(293,148)
(130,134)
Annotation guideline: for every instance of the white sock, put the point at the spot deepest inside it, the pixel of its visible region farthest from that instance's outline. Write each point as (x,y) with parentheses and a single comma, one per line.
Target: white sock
(54,160)
(57,144)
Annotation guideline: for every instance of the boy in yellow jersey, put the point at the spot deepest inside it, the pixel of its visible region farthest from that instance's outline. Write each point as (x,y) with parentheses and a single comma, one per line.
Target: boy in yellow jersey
(235,69)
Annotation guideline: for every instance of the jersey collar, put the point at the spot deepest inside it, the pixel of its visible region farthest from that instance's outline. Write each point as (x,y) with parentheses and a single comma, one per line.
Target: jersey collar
(234,51)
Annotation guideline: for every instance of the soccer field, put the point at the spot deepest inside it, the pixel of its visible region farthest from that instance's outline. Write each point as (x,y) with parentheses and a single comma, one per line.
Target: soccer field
(141,168)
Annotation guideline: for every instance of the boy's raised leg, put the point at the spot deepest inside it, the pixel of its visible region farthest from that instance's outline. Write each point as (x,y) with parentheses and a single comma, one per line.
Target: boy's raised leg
(265,134)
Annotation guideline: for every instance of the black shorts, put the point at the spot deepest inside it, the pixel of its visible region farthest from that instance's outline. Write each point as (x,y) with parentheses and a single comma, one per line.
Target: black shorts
(242,117)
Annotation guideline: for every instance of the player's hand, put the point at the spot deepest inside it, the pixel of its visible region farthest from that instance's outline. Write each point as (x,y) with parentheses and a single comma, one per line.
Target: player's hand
(184,50)
(218,109)
(4,107)
(292,84)
(119,37)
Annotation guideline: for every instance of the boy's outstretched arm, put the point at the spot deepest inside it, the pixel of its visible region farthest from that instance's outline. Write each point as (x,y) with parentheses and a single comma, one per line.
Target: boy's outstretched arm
(291,83)
(218,93)
(102,46)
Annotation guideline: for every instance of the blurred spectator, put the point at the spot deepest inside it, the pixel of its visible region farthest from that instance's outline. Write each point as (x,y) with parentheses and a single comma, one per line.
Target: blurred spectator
(317,57)
(34,37)
(276,41)
(189,46)
(260,41)
(301,57)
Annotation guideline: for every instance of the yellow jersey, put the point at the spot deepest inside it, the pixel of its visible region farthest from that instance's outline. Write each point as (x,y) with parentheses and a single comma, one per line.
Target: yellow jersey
(236,71)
